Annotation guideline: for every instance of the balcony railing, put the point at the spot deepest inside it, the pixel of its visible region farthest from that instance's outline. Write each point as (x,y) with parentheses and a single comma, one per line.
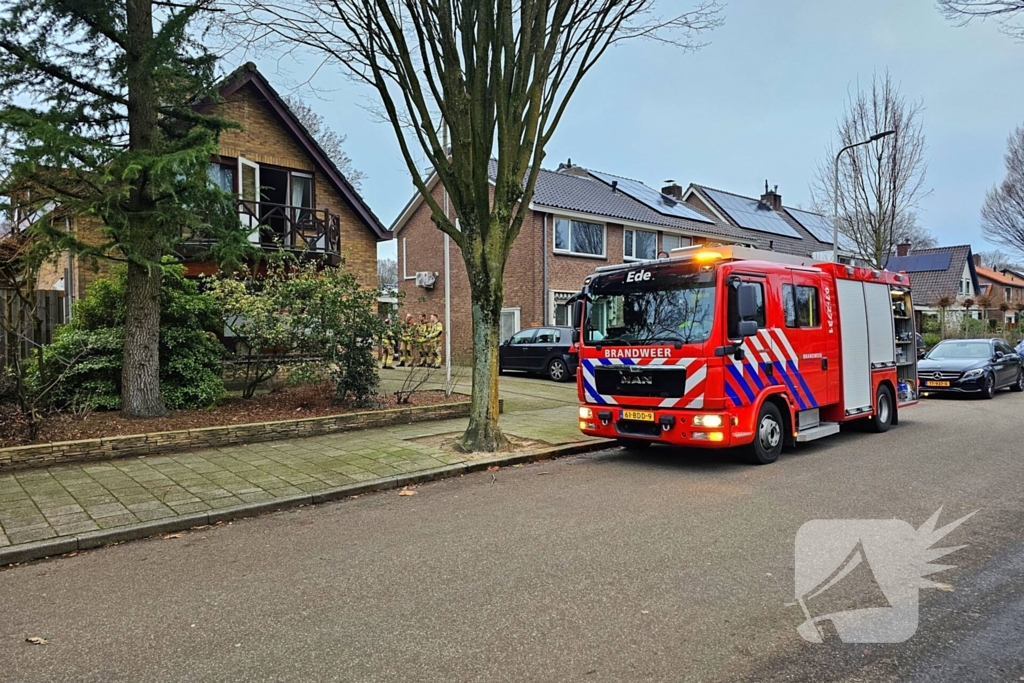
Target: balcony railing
(293,228)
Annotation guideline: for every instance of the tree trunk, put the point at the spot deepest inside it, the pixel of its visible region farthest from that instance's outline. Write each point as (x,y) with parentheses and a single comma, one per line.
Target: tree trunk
(140,376)
(484,433)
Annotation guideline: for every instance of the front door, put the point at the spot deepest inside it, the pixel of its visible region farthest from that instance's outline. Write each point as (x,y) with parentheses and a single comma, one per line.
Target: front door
(249,194)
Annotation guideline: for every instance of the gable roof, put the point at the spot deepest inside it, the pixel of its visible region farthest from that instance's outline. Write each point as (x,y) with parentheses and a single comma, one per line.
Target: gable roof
(936,272)
(1000,278)
(806,243)
(248,74)
(581,193)
(588,192)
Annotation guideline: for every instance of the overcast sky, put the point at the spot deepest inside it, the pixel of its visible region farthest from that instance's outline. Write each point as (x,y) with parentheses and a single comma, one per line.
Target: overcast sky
(759,102)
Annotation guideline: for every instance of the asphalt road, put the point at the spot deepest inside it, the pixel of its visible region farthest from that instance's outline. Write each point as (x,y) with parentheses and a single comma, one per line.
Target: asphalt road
(666,566)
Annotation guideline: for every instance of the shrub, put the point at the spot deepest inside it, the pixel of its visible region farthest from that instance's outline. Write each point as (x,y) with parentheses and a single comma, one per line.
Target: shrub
(190,354)
(931,339)
(317,320)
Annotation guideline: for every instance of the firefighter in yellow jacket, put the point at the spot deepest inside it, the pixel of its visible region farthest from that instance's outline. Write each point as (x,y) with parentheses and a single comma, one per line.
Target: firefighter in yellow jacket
(405,337)
(388,339)
(435,330)
(420,345)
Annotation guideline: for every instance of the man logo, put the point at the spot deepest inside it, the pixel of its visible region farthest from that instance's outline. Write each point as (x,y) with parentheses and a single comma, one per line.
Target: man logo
(883,559)
(638,276)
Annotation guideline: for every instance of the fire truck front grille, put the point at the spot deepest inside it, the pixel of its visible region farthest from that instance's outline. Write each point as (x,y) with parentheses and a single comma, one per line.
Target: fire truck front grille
(638,428)
(632,380)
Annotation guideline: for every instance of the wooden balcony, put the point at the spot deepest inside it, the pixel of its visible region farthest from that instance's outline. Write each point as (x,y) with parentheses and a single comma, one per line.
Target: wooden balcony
(293,228)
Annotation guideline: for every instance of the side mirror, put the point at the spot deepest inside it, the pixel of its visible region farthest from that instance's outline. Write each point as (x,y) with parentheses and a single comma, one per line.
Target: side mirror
(748,328)
(746,303)
(575,336)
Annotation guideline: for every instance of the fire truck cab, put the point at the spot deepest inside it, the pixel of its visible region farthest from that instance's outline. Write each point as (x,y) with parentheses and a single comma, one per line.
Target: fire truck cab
(732,346)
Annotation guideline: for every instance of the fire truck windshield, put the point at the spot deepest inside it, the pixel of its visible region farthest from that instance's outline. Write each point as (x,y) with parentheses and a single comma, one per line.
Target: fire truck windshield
(649,307)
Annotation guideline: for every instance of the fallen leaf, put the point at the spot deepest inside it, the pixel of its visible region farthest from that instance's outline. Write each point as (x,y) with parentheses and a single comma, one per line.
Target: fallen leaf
(542,473)
(36,640)
(644,611)
(406,492)
(170,536)
(493,468)
(943,587)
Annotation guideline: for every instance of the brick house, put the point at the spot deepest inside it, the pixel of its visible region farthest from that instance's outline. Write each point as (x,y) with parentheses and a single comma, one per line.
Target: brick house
(288,191)
(936,273)
(1005,288)
(579,220)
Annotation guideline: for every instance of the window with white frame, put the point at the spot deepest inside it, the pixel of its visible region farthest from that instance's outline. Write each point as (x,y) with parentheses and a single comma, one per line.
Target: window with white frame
(579,237)
(561,312)
(639,244)
(670,242)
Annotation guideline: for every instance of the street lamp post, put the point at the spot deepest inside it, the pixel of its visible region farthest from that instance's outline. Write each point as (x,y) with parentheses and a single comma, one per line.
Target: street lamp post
(835,190)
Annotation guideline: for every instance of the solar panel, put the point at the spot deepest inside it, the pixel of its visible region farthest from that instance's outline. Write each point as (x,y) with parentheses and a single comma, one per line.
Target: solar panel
(662,203)
(920,263)
(820,227)
(752,214)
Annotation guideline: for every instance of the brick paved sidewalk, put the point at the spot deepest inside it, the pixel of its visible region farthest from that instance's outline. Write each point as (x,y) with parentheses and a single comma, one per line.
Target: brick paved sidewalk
(72,499)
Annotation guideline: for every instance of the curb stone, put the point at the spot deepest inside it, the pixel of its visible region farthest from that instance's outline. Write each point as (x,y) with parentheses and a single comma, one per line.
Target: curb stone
(28,552)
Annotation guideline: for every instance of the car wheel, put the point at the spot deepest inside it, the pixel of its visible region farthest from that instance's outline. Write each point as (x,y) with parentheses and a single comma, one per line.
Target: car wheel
(557,370)
(989,391)
(633,444)
(1019,384)
(882,419)
(768,437)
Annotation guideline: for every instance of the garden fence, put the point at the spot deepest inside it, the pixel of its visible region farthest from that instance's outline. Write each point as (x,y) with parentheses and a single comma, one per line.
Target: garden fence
(26,327)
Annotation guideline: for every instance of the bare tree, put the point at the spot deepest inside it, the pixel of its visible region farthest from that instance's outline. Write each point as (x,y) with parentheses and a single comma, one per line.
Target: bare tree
(910,231)
(387,273)
(880,184)
(498,75)
(1007,13)
(997,259)
(1002,215)
(330,140)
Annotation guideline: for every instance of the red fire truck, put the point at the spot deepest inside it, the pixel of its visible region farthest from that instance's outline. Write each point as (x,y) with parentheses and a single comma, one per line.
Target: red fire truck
(733,346)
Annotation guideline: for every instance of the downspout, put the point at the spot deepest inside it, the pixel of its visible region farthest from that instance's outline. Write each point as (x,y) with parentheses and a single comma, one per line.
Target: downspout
(544,275)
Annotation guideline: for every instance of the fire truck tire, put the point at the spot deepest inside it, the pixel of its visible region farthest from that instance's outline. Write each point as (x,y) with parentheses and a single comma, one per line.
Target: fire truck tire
(769,435)
(633,444)
(882,419)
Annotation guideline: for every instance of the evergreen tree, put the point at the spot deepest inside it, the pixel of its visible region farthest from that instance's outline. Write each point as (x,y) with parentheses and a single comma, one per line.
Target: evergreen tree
(97,109)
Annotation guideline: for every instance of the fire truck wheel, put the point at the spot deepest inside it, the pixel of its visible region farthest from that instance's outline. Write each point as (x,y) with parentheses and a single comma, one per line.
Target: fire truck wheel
(768,439)
(882,419)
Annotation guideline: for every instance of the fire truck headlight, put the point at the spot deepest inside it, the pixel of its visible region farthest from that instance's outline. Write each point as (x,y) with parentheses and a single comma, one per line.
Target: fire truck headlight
(712,421)
(586,413)
(716,436)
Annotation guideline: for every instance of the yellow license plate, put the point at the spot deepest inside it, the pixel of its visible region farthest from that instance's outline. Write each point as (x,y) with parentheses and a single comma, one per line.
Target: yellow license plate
(936,384)
(638,415)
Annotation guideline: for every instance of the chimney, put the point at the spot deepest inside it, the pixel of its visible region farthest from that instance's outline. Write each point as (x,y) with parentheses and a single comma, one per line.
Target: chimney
(771,198)
(673,190)
(977,260)
(903,249)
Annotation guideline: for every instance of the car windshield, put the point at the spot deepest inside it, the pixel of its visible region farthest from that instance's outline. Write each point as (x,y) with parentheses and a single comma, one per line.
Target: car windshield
(650,307)
(967,350)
